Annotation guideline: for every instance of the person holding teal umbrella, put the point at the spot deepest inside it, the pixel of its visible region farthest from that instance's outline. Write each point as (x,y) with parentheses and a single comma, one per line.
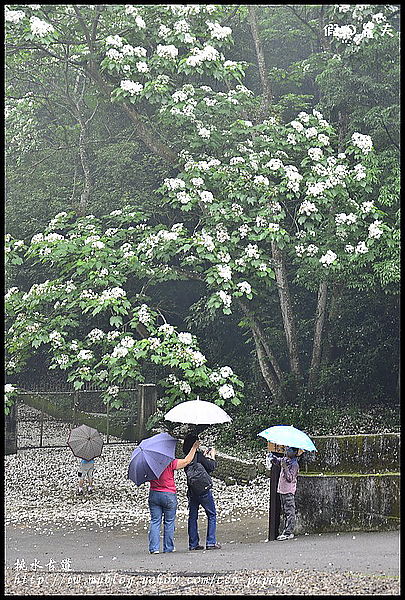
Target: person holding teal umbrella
(287,485)
(294,440)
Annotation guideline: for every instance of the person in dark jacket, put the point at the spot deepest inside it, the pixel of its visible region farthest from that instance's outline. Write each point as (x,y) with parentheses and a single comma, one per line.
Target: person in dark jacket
(206,500)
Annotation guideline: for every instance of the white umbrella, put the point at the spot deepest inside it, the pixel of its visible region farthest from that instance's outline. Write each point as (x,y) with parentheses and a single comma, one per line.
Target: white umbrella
(198,412)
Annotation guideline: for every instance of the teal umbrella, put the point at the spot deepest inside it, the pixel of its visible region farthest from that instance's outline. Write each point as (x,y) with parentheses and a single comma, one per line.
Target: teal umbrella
(287,435)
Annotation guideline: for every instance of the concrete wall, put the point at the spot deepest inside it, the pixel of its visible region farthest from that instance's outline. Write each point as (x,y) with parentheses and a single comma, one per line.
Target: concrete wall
(347,503)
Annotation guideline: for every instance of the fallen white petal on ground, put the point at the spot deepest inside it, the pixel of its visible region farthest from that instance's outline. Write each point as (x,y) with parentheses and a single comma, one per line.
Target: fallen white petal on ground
(41,486)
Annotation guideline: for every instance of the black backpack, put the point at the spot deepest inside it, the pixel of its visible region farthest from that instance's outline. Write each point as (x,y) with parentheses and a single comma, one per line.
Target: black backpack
(198,480)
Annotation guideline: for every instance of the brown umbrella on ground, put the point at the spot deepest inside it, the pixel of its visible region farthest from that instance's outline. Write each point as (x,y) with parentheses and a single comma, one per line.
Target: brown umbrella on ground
(85,442)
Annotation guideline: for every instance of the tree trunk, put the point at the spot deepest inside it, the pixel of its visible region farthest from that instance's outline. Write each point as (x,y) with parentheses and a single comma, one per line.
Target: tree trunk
(328,347)
(84,159)
(318,333)
(267,372)
(267,95)
(286,309)
(257,330)
(149,137)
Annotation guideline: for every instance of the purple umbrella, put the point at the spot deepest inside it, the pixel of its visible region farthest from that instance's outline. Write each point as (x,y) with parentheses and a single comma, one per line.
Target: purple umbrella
(151,457)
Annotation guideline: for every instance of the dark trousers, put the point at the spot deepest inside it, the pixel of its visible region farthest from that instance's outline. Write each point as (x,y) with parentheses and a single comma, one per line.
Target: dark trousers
(208,504)
(288,508)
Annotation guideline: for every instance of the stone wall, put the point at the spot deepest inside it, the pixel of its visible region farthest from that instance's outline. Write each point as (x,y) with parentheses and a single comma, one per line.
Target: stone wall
(347,503)
(367,453)
(351,484)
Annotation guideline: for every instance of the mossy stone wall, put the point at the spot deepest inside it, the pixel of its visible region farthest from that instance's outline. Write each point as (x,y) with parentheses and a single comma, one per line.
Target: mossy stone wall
(366,453)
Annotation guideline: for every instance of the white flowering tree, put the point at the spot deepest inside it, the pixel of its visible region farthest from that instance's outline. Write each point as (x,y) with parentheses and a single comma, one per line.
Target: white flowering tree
(257,196)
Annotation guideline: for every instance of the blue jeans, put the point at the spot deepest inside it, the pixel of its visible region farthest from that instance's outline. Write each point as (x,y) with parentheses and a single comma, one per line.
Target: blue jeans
(162,504)
(208,504)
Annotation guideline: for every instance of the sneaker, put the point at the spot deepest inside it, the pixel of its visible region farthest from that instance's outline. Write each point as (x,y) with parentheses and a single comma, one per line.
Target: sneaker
(90,490)
(153,551)
(283,536)
(197,548)
(214,547)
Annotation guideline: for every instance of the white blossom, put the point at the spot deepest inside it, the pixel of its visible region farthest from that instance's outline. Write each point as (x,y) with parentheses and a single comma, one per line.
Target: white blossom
(245,287)
(252,251)
(175,184)
(113,54)
(261,180)
(144,315)
(185,338)
(359,172)
(323,139)
(164,31)
(203,132)
(183,197)
(307,208)
(14,16)
(315,153)
(226,391)
(311,132)
(169,51)
(140,23)
(316,189)
(363,142)
(361,248)
(226,298)
(274,164)
(297,126)
(133,87)
(366,207)
(130,9)
(293,177)
(114,40)
(206,196)
(208,53)
(142,66)
(374,230)
(184,387)
(85,355)
(222,234)
(226,372)
(181,26)
(215,377)
(39,27)
(166,329)
(224,272)
(304,117)
(273,227)
(311,250)
(218,32)
(328,258)
(236,160)
(243,230)
(179,96)
(96,335)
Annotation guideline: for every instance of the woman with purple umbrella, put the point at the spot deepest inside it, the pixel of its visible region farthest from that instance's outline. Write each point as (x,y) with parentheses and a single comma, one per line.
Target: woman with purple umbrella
(163,503)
